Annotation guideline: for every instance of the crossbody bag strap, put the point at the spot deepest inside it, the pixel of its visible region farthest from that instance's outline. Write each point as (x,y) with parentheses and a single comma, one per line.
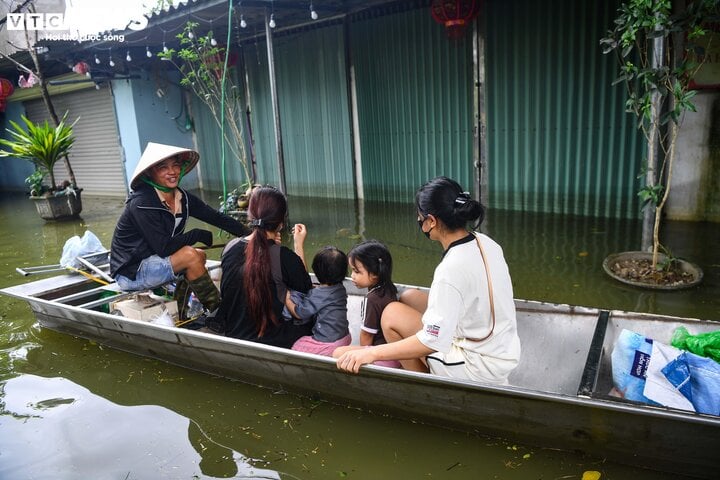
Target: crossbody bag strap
(490,293)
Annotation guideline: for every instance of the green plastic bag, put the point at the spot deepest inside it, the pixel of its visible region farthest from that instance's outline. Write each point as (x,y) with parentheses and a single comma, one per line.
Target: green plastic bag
(703,344)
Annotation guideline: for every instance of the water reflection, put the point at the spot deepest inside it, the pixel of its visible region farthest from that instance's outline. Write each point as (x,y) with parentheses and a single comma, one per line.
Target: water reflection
(554,258)
(82,435)
(222,428)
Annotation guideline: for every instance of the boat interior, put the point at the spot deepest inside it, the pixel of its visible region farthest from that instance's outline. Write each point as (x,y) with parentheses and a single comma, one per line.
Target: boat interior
(566,349)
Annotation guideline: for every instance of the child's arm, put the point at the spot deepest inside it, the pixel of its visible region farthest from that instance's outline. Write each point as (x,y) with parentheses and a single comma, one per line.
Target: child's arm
(290,304)
(299,233)
(366,338)
(300,305)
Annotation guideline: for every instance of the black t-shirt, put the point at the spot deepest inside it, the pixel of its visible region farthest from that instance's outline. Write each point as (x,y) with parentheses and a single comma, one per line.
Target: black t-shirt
(289,271)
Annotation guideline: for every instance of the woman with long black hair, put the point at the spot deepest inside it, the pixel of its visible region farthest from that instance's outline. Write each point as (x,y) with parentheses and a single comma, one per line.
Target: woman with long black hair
(258,272)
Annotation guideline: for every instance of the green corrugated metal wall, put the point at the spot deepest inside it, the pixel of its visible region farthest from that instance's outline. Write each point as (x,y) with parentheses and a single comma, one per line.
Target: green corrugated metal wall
(559,139)
(414,95)
(315,120)
(210,148)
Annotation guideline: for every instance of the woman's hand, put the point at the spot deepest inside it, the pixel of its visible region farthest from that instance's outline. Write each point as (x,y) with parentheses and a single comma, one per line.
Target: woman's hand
(299,233)
(352,360)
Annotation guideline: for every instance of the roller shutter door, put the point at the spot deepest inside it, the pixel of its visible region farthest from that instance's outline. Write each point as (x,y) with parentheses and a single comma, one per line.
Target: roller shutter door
(96,157)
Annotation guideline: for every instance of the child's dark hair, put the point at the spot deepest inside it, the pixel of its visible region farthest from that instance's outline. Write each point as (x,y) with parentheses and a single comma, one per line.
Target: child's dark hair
(330,265)
(445,199)
(376,259)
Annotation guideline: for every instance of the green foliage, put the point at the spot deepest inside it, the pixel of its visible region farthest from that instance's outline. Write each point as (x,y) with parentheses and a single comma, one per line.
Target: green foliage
(41,144)
(651,193)
(667,262)
(232,201)
(638,24)
(655,48)
(35,182)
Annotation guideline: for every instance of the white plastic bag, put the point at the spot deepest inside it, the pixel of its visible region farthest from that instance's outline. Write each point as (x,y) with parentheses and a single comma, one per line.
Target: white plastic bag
(165,318)
(77,247)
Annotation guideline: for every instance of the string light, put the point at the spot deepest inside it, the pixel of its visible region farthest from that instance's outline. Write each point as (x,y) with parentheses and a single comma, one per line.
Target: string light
(213,42)
(165,49)
(243,23)
(111,63)
(272,20)
(97,60)
(128,58)
(148,53)
(313,13)
(191,35)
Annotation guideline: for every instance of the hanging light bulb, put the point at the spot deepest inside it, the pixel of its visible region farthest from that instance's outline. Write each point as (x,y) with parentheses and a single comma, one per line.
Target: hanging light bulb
(191,35)
(272,20)
(128,58)
(213,42)
(111,63)
(148,53)
(165,49)
(243,23)
(313,13)
(97,60)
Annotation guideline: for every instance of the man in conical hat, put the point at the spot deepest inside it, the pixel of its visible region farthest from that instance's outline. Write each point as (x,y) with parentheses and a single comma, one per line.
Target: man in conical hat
(150,246)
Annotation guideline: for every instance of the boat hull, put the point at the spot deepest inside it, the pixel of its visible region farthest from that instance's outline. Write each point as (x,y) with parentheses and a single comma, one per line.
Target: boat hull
(651,437)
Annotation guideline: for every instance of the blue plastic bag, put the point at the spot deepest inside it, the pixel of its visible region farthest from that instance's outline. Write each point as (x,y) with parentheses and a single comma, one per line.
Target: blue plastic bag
(630,360)
(698,379)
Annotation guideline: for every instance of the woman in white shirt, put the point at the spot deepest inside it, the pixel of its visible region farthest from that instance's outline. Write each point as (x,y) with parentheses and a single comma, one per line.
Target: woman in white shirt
(465,327)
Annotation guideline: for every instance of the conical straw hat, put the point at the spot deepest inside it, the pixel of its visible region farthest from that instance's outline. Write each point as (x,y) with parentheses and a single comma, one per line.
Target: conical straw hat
(157,152)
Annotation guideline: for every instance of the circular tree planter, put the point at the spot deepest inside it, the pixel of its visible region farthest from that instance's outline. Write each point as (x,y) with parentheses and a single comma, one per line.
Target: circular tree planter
(635,268)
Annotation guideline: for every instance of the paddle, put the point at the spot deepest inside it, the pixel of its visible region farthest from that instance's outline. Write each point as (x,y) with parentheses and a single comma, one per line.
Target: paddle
(39,269)
(101,258)
(56,267)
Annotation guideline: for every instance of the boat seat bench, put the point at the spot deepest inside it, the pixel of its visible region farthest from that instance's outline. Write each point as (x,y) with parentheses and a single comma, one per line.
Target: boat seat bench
(589,378)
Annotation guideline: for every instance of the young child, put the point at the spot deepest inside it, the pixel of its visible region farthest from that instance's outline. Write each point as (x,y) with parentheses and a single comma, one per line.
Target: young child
(371,266)
(327,303)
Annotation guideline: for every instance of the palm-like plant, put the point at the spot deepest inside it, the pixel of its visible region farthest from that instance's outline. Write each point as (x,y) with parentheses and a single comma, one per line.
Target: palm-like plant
(41,144)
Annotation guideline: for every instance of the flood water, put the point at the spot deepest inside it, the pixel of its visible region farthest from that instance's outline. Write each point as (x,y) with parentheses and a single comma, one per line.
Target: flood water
(72,409)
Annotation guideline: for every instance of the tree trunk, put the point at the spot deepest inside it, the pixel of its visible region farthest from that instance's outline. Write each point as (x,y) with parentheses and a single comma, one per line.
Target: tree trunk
(651,215)
(48,104)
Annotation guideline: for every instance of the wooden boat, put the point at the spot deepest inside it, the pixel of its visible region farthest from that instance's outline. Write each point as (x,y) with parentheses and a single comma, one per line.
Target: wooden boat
(557,397)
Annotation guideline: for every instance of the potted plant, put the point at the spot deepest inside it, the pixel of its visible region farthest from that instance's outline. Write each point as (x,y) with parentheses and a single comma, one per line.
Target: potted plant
(44,145)
(654,47)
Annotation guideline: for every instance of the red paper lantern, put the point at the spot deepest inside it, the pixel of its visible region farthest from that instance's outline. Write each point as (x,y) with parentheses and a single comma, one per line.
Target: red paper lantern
(6,89)
(455,15)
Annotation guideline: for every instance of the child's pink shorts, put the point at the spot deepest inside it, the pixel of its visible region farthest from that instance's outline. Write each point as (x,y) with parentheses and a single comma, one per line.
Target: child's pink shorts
(309,345)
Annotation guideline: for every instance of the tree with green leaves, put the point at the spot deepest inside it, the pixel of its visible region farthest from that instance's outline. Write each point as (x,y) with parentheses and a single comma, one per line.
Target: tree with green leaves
(36,70)
(201,61)
(656,48)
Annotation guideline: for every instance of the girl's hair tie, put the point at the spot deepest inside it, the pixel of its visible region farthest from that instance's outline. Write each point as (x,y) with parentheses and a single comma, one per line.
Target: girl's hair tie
(462,198)
(256,223)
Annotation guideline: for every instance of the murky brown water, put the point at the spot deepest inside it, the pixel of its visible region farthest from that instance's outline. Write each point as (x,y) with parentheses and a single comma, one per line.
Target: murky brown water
(72,409)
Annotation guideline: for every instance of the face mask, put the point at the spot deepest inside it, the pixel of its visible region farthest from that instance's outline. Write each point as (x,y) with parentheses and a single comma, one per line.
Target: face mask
(420,225)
